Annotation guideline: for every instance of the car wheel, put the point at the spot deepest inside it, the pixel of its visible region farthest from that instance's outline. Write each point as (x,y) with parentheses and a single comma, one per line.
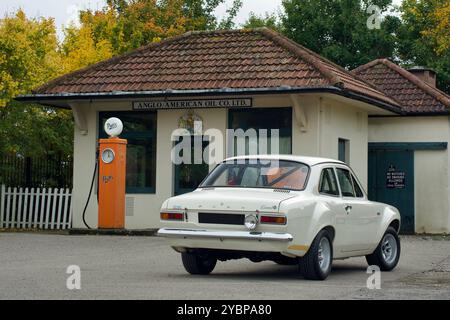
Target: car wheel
(387,254)
(316,263)
(198,264)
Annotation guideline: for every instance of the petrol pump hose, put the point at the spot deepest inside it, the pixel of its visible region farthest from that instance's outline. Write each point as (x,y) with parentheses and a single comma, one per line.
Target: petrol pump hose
(90,191)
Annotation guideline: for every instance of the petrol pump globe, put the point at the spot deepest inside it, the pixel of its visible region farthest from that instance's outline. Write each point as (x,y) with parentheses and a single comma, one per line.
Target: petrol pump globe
(113,127)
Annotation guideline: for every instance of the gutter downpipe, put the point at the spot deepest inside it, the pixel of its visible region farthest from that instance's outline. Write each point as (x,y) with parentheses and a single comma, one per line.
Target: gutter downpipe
(319,127)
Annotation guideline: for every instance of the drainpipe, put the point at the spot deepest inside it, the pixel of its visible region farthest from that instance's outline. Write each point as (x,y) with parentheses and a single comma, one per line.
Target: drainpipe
(319,128)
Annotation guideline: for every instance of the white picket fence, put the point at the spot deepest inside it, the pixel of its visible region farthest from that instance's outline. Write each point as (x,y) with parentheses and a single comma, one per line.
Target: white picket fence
(35,208)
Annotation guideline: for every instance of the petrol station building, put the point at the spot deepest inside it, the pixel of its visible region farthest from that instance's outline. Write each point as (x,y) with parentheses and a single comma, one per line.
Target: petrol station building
(391,125)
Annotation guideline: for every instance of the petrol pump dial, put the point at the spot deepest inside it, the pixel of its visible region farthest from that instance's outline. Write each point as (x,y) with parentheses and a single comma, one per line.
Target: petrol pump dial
(108,156)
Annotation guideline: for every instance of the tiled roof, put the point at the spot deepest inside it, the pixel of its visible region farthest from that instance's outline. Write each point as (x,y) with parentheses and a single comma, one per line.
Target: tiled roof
(415,95)
(237,59)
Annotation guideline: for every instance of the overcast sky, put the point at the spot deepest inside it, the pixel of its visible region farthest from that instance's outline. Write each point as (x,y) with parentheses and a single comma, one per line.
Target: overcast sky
(65,11)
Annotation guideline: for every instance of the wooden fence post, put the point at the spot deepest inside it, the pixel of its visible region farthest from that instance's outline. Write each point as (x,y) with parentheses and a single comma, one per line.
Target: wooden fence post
(69,223)
(41,211)
(24,215)
(58,213)
(66,208)
(53,216)
(31,212)
(36,209)
(2,205)
(8,206)
(19,209)
(47,211)
(12,221)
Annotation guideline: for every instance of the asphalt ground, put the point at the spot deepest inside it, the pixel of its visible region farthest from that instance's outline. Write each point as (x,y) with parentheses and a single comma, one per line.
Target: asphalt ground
(35,265)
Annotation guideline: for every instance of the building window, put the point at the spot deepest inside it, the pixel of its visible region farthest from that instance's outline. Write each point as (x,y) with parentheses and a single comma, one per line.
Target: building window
(188,176)
(344,150)
(257,119)
(139,128)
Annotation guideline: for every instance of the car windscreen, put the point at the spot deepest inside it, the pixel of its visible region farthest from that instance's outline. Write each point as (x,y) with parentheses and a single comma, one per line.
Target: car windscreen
(252,173)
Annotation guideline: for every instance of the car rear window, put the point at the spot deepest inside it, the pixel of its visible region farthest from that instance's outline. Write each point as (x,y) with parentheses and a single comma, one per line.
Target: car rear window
(249,173)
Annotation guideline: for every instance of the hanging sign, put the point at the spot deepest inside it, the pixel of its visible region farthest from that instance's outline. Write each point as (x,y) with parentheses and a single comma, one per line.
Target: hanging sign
(395,179)
(192,104)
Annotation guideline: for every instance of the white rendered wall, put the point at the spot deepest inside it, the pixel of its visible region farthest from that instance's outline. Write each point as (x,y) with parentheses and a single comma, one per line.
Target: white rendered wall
(336,120)
(431,167)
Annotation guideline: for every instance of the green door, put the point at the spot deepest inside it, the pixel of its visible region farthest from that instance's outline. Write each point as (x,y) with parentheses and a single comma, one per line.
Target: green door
(391,181)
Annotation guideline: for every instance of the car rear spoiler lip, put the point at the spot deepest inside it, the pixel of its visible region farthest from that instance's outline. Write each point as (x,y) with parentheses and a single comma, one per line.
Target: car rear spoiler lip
(213,234)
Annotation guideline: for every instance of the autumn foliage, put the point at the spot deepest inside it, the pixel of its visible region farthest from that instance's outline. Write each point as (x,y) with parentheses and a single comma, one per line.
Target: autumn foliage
(31,54)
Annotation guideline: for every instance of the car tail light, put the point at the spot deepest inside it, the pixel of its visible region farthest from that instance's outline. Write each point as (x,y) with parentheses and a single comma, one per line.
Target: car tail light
(172,216)
(273,219)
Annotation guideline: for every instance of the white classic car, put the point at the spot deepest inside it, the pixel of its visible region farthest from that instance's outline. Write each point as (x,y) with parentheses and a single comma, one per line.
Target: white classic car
(288,209)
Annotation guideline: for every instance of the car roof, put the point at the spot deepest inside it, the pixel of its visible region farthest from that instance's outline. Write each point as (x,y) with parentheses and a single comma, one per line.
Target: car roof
(310,161)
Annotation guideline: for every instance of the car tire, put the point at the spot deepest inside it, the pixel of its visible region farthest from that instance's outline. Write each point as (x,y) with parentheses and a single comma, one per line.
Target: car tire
(316,263)
(387,253)
(197,264)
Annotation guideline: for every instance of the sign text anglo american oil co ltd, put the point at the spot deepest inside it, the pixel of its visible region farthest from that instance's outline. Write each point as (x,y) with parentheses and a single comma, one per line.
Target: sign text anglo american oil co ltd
(188,104)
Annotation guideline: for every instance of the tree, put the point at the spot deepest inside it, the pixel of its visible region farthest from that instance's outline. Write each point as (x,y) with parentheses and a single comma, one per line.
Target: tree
(424,38)
(127,25)
(29,57)
(33,130)
(79,49)
(268,20)
(28,54)
(228,21)
(337,29)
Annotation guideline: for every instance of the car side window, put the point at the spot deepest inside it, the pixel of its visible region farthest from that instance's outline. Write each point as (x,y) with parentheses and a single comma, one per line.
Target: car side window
(328,184)
(359,193)
(345,181)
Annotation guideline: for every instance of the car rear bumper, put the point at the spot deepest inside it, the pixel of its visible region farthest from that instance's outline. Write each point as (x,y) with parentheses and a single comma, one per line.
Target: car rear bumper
(224,235)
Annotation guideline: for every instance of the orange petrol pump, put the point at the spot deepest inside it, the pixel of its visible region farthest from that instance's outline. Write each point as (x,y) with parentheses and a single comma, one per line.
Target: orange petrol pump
(112,170)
